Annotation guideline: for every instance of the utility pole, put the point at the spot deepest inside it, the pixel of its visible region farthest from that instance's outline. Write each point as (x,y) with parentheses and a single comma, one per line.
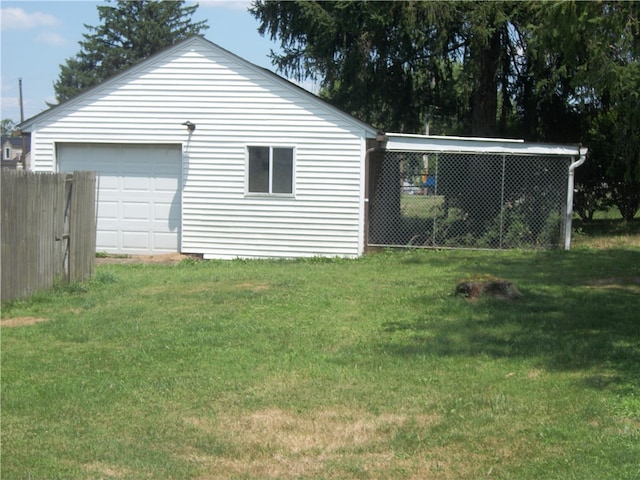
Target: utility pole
(23,155)
(21,106)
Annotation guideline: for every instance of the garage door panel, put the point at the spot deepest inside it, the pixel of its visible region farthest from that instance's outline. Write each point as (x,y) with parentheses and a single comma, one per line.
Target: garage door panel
(136,211)
(139,206)
(136,241)
(164,210)
(162,241)
(166,184)
(108,183)
(137,184)
(108,210)
(108,239)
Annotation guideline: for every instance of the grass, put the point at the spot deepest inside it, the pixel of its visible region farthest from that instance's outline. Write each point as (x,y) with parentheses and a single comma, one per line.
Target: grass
(320,369)
(607,230)
(422,206)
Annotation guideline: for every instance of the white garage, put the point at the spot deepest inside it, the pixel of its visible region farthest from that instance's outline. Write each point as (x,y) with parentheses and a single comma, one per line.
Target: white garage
(200,152)
(139,193)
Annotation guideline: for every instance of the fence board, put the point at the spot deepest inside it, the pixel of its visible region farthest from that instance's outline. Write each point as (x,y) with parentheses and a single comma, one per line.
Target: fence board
(35,207)
(82,214)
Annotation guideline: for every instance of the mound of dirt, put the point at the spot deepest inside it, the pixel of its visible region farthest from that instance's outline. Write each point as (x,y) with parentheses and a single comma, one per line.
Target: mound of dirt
(501,289)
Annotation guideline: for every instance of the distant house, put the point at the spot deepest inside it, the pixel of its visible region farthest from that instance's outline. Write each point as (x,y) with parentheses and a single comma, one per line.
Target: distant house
(11,151)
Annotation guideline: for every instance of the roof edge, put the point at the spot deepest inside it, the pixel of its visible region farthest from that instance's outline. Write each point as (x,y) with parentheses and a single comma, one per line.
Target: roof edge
(27,125)
(402,142)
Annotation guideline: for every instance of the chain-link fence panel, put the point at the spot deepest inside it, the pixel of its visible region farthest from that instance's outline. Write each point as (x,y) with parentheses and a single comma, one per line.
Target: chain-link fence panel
(446,200)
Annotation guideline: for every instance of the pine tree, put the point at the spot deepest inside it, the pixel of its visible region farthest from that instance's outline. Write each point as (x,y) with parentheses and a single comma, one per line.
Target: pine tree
(130,32)
(560,71)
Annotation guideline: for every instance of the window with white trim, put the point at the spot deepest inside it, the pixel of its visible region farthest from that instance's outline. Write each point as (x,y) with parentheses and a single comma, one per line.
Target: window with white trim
(7,153)
(270,170)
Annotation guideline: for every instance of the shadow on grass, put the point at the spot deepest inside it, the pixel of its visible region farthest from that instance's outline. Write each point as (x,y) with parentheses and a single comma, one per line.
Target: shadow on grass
(604,227)
(580,312)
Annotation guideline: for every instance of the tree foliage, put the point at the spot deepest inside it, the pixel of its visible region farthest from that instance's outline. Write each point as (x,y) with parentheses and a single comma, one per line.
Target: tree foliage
(603,58)
(362,53)
(396,63)
(130,32)
(560,71)
(7,125)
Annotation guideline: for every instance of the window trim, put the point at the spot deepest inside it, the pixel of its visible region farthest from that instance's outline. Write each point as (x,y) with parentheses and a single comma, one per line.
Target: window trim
(270,193)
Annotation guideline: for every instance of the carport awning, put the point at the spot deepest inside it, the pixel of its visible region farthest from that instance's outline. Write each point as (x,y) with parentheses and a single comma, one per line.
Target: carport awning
(402,142)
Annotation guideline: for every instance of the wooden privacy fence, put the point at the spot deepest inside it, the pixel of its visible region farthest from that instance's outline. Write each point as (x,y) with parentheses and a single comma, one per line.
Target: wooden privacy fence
(48,230)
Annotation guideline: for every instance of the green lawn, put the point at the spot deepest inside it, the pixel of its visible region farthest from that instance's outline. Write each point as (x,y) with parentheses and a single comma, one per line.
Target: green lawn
(330,369)
(422,206)
(607,230)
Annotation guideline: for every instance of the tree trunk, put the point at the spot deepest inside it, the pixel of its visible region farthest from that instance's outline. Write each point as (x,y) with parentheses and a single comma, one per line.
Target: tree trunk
(484,99)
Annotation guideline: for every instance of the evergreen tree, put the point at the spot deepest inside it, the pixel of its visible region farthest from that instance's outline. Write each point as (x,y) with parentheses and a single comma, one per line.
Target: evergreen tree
(561,71)
(596,57)
(394,64)
(130,31)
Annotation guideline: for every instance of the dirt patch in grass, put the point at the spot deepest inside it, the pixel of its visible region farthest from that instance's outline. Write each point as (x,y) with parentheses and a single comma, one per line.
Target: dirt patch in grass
(167,259)
(325,430)
(102,470)
(631,284)
(324,465)
(616,281)
(345,444)
(21,321)
(608,241)
(275,443)
(534,373)
(254,287)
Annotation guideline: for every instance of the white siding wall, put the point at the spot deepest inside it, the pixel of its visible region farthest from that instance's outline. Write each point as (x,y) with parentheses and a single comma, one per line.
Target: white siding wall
(233,104)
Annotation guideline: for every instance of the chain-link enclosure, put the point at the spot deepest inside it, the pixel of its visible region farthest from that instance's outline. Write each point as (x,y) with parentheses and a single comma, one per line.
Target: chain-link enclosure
(448,200)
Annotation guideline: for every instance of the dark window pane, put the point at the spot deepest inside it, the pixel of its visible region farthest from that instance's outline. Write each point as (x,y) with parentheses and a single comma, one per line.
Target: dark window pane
(282,170)
(259,169)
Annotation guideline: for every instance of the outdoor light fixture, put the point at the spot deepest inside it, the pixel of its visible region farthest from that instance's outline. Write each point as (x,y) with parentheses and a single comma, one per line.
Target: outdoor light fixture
(190,126)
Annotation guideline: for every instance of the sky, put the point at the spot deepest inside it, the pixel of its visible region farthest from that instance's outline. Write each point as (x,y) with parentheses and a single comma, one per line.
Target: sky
(39,36)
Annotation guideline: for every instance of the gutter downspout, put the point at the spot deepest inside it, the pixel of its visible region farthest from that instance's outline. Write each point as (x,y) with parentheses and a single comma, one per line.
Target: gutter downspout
(570,186)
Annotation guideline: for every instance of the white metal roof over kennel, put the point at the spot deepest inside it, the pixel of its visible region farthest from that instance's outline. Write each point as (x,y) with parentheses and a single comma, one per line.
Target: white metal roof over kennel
(402,142)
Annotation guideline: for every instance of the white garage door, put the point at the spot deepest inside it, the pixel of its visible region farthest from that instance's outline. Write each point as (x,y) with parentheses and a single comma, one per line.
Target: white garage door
(139,194)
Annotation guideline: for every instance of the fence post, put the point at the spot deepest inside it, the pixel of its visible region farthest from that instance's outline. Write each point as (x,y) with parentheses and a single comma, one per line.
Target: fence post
(502,180)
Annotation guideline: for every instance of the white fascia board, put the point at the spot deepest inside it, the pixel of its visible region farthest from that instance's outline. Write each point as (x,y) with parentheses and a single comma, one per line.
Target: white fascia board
(402,142)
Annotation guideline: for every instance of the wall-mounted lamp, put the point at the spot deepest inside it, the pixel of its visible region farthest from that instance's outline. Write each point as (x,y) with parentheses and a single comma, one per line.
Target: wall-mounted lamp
(190,126)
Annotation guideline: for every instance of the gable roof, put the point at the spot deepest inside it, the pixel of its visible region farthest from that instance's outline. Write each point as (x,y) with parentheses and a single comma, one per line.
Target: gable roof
(16,142)
(27,125)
